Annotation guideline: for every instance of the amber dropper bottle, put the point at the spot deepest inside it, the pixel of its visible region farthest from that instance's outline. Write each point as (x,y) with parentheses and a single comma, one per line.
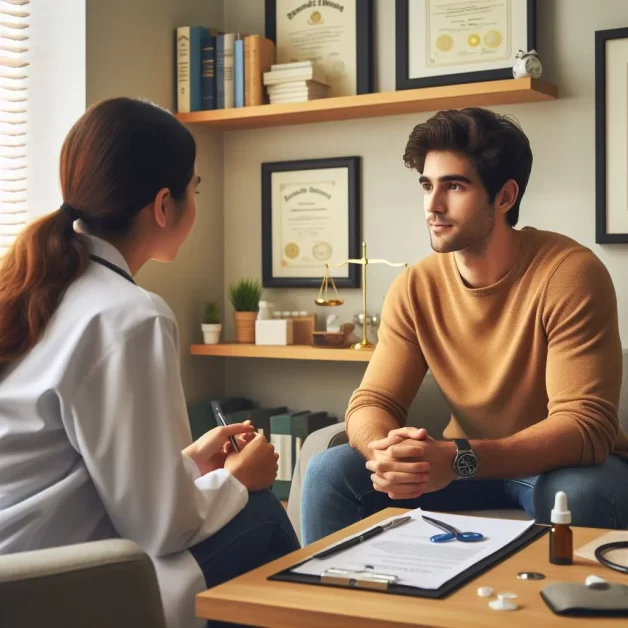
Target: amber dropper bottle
(561,536)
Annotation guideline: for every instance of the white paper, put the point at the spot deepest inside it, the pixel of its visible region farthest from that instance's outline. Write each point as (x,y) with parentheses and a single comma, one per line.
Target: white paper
(408,553)
(617,556)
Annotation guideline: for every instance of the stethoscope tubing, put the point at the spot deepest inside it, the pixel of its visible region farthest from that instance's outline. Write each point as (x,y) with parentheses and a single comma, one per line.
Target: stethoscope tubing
(600,554)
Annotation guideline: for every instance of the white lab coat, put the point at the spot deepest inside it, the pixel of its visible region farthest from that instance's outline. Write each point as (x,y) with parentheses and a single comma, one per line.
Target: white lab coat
(92,424)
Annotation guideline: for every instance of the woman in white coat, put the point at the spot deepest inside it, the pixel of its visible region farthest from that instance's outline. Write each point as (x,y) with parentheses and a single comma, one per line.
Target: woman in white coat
(94,435)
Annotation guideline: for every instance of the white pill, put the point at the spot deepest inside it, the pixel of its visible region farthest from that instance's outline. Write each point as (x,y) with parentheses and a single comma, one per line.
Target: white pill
(504,602)
(595,582)
(485,591)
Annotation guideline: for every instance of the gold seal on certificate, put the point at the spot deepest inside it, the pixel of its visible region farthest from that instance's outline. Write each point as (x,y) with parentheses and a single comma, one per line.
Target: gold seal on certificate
(448,42)
(310,217)
(333,34)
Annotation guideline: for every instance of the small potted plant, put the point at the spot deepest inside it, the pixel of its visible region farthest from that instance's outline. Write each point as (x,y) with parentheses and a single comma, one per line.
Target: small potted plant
(211,323)
(245,296)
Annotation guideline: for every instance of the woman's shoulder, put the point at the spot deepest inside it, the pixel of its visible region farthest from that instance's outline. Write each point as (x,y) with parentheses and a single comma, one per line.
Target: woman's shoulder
(113,309)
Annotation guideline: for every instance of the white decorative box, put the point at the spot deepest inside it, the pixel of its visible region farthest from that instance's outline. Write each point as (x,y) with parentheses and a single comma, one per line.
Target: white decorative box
(273,332)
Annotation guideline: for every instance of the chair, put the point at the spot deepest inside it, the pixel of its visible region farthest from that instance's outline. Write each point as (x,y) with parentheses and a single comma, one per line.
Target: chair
(102,584)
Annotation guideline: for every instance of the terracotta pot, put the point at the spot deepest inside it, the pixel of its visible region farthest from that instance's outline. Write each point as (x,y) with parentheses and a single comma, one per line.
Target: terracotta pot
(245,326)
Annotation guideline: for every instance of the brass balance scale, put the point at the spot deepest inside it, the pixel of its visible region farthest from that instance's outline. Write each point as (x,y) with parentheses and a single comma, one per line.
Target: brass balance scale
(324,300)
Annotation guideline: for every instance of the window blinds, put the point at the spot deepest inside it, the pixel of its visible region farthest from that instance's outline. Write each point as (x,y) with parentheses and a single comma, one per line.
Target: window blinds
(14,40)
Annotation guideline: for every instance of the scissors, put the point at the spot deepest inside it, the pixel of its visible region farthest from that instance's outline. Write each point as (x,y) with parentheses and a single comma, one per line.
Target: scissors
(451,533)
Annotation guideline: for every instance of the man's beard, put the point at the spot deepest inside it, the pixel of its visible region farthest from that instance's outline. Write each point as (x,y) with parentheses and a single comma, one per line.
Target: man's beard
(473,236)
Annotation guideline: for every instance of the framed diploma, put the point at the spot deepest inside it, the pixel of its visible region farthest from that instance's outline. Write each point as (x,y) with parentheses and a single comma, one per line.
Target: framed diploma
(448,42)
(310,217)
(337,35)
(611,136)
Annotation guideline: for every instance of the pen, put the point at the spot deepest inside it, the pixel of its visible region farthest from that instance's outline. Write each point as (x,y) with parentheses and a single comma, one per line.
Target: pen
(222,419)
(356,540)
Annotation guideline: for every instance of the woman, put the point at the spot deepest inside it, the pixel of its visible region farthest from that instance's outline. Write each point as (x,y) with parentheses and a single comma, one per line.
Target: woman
(94,435)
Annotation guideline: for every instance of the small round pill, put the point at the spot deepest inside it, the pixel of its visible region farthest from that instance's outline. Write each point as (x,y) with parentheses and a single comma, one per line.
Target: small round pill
(485,591)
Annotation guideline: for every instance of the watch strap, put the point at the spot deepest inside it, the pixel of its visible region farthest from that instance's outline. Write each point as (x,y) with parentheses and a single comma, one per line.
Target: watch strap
(462,444)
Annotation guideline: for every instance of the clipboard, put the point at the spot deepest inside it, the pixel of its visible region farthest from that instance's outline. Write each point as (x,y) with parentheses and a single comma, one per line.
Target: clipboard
(386,583)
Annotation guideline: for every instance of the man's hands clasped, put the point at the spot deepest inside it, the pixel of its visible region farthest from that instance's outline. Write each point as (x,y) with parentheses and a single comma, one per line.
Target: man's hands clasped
(408,463)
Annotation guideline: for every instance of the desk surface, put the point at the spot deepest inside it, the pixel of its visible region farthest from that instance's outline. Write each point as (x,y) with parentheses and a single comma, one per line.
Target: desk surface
(254,600)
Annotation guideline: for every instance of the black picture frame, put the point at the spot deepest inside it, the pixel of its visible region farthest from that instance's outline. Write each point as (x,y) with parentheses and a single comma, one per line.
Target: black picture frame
(402,51)
(601,193)
(364,41)
(353,164)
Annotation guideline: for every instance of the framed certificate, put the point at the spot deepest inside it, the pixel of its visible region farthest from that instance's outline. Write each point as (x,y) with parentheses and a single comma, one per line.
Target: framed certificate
(337,35)
(611,136)
(310,217)
(448,42)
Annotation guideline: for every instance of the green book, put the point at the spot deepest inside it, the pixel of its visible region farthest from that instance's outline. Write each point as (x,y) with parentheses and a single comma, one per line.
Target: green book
(282,439)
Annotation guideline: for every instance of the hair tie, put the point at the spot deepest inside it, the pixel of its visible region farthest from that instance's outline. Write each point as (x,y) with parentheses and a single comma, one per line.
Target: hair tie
(69,210)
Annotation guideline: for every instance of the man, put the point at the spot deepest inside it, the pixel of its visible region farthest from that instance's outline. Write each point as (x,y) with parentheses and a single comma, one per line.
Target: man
(519,329)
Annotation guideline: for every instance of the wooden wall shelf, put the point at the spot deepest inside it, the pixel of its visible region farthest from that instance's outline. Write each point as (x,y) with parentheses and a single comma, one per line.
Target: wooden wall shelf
(290,352)
(486,94)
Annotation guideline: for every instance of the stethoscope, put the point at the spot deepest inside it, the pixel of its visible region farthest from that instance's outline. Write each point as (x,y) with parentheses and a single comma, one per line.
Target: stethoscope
(450,533)
(602,550)
(110,266)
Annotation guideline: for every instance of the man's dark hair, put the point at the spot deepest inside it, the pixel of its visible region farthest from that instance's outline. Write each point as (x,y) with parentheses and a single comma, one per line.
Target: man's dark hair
(495,145)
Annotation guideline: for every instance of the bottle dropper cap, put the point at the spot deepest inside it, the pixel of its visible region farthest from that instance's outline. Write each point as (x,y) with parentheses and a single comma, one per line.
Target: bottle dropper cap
(560,512)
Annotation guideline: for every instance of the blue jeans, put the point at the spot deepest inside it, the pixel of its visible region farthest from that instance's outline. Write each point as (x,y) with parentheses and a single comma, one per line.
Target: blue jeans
(259,533)
(337,491)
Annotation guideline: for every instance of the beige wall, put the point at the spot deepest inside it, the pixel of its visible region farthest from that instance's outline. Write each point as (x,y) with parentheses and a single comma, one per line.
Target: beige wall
(560,196)
(130,52)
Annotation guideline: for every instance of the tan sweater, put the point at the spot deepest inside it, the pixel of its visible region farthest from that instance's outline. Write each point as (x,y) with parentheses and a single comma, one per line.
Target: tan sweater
(540,344)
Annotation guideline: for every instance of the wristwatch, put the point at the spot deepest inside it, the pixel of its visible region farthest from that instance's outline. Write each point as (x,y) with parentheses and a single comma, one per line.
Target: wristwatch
(465,461)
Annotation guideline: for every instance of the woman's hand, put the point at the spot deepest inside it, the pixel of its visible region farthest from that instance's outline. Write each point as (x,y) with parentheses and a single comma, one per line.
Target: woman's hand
(256,466)
(210,451)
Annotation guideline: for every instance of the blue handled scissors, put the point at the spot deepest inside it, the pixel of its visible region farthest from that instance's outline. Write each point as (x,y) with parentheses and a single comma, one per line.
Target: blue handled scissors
(451,533)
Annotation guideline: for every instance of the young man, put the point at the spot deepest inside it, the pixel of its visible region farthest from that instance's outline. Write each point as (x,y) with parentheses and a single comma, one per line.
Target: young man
(519,329)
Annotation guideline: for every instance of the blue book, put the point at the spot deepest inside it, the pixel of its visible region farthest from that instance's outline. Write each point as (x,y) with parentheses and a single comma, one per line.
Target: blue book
(189,67)
(238,63)
(220,72)
(208,72)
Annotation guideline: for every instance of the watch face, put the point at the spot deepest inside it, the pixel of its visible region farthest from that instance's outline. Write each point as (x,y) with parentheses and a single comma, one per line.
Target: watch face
(467,464)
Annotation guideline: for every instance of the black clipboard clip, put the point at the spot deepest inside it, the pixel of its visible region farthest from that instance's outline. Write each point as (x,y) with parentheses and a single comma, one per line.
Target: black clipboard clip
(365,579)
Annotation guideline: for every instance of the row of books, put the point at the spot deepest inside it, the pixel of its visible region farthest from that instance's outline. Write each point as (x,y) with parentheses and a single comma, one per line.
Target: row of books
(217,70)
(286,429)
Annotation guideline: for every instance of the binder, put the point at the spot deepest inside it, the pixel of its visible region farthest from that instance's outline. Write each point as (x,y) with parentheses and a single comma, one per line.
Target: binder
(259,417)
(385,583)
(282,439)
(228,405)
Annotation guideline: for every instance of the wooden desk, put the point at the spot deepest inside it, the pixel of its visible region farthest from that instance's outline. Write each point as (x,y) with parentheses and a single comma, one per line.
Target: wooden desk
(251,599)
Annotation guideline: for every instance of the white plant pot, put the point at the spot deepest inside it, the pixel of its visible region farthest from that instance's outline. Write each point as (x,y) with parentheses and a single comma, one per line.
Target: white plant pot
(211,333)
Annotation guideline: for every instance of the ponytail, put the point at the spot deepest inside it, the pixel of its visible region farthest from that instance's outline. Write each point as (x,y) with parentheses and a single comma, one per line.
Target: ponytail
(34,275)
(114,161)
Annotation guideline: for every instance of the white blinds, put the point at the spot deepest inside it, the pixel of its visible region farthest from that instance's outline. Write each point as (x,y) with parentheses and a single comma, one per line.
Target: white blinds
(14,40)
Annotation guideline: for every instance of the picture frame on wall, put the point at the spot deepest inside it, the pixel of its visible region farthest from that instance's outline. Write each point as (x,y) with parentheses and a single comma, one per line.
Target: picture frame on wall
(310,217)
(337,35)
(611,136)
(446,42)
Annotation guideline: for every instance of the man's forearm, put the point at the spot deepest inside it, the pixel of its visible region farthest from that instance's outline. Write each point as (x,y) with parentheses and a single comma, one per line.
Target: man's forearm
(532,451)
(368,424)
